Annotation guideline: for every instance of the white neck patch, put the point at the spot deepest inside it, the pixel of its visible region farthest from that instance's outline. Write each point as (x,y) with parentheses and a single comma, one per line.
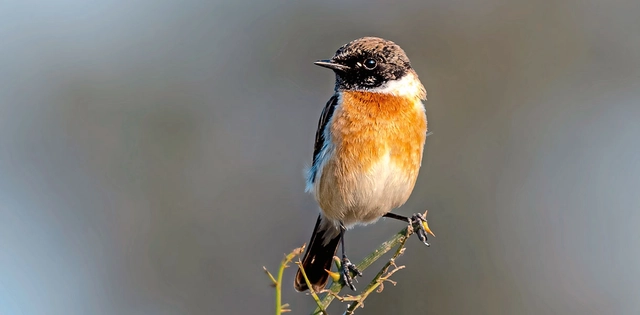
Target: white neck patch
(409,85)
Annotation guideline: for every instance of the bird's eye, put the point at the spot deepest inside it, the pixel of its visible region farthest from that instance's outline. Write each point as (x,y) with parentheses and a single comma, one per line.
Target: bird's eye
(370,64)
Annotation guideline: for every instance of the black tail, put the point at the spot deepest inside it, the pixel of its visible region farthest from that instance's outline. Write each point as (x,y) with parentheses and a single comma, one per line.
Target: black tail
(317,259)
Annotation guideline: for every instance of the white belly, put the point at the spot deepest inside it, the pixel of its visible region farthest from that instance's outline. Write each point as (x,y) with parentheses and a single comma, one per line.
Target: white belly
(379,191)
(367,196)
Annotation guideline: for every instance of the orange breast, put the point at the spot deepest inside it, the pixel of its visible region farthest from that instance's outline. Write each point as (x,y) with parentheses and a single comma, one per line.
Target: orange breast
(368,125)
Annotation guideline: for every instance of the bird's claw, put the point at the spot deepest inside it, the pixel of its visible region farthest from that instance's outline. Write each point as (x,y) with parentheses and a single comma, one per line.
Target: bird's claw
(423,227)
(347,268)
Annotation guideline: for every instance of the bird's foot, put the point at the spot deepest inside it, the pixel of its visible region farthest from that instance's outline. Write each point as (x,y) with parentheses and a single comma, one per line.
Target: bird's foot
(347,268)
(423,227)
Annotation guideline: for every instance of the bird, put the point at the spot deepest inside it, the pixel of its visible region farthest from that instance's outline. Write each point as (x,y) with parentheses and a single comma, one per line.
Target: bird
(368,151)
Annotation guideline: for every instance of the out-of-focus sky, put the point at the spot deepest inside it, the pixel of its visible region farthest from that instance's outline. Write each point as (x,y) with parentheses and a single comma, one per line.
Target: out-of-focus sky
(152,154)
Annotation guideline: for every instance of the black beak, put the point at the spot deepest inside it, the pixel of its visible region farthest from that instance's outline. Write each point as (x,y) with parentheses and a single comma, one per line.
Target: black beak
(331,65)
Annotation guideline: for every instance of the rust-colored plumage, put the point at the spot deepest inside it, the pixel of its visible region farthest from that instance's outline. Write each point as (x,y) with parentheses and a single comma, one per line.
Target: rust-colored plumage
(368,125)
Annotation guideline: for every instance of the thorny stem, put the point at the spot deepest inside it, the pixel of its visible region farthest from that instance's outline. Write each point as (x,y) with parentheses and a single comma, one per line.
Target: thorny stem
(399,239)
(277,282)
(313,293)
(378,281)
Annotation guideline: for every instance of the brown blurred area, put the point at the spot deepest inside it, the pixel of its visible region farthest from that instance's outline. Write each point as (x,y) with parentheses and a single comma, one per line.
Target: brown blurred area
(152,154)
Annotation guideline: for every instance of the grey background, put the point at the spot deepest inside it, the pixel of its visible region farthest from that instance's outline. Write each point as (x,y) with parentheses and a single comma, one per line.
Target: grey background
(151,154)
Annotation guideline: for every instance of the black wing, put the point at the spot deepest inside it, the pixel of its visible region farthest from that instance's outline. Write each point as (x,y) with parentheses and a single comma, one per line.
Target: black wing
(327,112)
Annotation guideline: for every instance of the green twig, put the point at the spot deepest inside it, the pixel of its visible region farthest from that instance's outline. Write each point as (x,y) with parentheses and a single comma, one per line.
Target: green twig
(277,283)
(313,292)
(399,240)
(377,284)
(378,280)
(336,287)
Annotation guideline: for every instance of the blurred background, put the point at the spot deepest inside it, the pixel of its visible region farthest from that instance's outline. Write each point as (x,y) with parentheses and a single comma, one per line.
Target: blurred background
(152,154)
